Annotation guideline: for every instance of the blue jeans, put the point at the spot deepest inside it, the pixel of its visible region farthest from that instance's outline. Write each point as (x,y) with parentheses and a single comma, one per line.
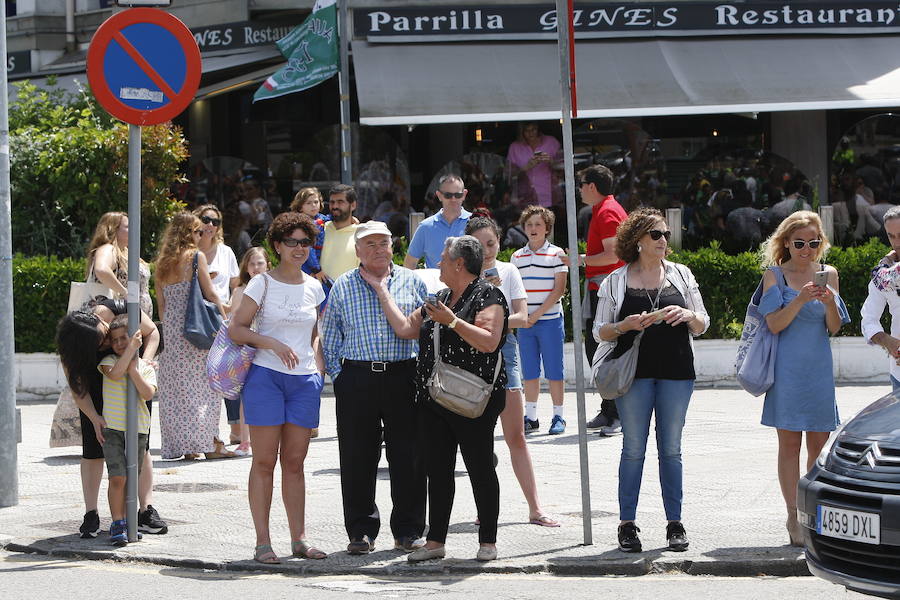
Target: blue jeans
(669,399)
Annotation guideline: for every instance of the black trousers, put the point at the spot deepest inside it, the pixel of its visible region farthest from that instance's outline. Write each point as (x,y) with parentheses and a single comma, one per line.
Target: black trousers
(607,405)
(444,431)
(369,405)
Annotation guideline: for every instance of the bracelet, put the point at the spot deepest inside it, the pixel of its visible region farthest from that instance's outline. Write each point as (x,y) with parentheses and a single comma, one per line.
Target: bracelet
(452,324)
(617,330)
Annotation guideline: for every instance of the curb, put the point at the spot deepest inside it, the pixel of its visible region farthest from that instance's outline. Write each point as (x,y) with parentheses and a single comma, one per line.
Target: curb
(750,567)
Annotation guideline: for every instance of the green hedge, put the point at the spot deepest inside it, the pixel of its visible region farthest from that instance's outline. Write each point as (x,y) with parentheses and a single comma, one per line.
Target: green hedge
(41,289)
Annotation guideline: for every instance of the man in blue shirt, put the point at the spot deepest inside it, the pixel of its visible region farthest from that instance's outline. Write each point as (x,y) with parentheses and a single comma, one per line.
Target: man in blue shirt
(450,221)
(373,372)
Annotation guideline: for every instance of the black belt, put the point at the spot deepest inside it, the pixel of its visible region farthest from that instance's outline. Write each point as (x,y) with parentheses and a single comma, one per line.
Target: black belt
(379,366)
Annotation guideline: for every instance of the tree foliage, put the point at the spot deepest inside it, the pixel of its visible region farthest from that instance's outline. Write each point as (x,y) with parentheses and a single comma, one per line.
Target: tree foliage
(69,165)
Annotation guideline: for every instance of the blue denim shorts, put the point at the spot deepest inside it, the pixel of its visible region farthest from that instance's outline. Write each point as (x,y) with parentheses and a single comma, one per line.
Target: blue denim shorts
(274,398)
(542,343)
(510,351)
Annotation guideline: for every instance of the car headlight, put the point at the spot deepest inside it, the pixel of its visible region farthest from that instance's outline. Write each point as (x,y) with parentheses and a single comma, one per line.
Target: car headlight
(826,449)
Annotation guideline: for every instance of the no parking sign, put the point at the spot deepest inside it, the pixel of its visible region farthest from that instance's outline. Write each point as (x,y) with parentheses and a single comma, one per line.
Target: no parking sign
(143,66)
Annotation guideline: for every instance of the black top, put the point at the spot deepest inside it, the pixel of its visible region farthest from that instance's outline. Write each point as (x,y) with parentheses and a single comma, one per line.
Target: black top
(665,351)
(456,351)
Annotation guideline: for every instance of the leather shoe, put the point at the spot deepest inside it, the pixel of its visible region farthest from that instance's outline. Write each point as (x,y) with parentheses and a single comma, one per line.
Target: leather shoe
(486,553)
(409,543)
(427,554)
(362,545)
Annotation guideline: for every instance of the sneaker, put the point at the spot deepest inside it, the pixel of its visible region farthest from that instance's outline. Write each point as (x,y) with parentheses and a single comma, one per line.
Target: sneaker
(409,543)
(149,522)
(90,528)
(118,533)
(628,537)
(531,426)
(613,428)
(557,425)
(676,536)
(597,422)
(362,545)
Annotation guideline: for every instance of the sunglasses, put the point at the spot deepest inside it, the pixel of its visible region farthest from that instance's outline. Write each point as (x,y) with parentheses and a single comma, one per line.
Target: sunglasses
(798,244)
(207,220)
(655,234)
(293,242)
(452,194)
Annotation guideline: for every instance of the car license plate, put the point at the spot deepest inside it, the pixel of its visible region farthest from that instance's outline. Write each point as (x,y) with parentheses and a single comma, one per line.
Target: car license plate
(848,524)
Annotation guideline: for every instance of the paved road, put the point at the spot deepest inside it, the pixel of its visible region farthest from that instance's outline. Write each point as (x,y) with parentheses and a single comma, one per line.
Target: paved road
(733,509)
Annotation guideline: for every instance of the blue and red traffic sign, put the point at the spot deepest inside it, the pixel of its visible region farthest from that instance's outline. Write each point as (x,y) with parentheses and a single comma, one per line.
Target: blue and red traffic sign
(143,66)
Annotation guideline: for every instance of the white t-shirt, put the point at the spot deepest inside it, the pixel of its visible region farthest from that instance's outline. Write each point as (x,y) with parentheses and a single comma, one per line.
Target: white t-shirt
(510,283)
(225,266)
(289,315)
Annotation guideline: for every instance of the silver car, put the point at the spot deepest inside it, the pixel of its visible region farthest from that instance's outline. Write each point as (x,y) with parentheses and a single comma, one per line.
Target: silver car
(849,503)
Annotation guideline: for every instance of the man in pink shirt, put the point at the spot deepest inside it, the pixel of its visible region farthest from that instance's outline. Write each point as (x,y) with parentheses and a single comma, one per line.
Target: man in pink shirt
(534,155)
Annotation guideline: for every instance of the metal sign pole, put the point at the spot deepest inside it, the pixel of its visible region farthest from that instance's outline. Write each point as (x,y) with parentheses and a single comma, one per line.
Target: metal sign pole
(9,475)
(565,80)
(344,91)
(134,321)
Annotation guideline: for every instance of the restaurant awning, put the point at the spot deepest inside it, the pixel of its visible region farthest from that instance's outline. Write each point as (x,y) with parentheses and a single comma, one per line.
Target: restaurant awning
(401,84)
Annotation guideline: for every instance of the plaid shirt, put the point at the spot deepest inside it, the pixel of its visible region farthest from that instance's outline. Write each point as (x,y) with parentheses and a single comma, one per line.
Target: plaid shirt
(355,326)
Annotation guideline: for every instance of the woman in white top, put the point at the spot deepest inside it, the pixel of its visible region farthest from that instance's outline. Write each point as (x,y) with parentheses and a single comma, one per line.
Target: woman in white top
(510,283)
(107,259)
(225,274)
(282,392)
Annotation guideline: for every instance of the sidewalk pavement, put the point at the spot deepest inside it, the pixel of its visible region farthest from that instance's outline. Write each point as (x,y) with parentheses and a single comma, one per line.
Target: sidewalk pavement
(733,510)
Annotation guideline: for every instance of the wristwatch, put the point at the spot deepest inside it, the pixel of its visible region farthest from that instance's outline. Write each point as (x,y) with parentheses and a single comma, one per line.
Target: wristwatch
(452,324)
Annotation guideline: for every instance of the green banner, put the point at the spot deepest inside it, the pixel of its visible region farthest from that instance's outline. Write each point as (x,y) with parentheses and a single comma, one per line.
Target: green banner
(312,53)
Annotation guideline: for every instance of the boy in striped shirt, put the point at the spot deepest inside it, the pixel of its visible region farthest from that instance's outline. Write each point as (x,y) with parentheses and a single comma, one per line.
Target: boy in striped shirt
(115,368)
(541,341)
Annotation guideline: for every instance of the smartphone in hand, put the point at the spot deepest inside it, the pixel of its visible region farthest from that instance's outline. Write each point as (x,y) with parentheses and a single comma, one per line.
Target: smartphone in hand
(820,278)
(492,272)
(431,300)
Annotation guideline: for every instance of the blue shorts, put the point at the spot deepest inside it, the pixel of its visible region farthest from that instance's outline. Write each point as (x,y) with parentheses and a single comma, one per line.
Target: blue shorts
(542,343)
(274,398)
(510,351)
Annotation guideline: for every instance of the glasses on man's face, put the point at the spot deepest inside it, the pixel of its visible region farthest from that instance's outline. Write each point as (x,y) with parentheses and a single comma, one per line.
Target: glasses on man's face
(292,242)
(799,244)
(207,220)
(457,195)
(655,234)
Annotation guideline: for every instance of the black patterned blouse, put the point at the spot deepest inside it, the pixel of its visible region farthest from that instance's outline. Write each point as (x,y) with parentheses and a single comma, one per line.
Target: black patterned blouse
(479,295)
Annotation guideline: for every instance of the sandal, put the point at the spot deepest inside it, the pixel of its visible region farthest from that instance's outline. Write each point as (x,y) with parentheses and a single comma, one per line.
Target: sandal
(243,449)
(543,521)
(303,549)
(191,456)
(219,451)
(265,555)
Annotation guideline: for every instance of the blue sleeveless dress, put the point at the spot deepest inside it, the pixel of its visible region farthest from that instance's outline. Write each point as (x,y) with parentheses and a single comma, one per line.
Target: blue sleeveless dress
(802,397)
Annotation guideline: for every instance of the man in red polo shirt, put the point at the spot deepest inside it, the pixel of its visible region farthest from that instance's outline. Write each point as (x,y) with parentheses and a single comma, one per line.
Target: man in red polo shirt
(599,261)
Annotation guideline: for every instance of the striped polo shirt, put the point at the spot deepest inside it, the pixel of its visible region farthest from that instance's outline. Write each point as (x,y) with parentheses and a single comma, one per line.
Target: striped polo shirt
(538,270)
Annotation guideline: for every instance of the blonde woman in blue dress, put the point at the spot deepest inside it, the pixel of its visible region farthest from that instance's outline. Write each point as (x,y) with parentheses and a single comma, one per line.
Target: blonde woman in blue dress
(803,315)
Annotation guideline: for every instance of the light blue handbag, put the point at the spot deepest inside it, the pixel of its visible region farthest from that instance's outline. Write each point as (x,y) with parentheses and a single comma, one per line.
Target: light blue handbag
(755,361)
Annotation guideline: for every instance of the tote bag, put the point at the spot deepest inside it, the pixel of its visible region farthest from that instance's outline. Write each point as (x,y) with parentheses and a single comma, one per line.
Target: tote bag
(755,361)
(81,292)
(456,389)
(202,320)
(228,363)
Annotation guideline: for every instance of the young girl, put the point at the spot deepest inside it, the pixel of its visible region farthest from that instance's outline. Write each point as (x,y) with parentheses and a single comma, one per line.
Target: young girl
(254,262)
(308,201)
(541,337)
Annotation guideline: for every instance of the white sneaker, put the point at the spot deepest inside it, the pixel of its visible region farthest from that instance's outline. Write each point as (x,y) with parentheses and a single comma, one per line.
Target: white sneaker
(614,429)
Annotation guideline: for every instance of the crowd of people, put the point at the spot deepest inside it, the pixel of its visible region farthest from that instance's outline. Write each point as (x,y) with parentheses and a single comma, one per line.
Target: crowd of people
(335,304)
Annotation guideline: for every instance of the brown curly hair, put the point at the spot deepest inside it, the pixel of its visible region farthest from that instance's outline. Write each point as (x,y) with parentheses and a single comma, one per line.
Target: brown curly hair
(177,243)
(632,229)
(545,213)
(285,224)
(303,195)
